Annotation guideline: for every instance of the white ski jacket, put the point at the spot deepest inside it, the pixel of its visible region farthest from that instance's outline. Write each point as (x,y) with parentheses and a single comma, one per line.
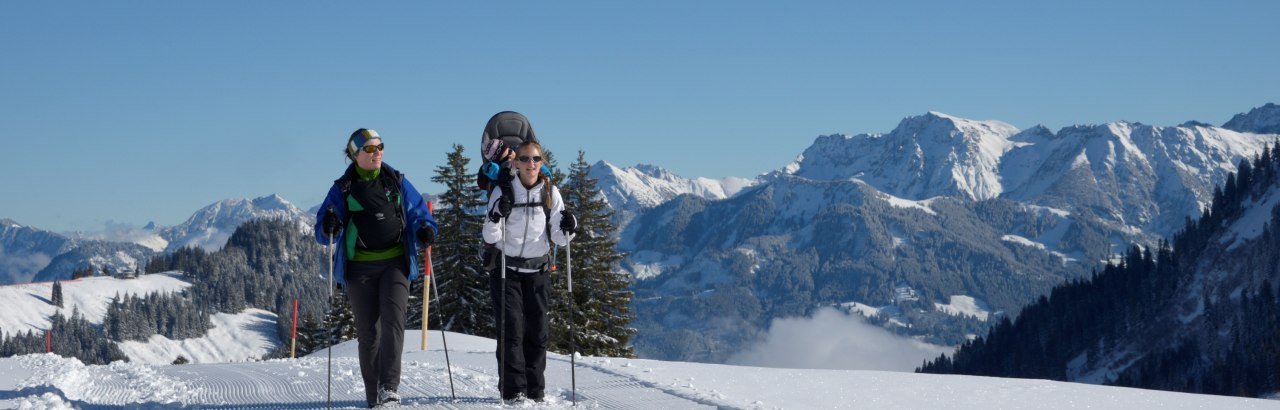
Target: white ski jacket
(527,225)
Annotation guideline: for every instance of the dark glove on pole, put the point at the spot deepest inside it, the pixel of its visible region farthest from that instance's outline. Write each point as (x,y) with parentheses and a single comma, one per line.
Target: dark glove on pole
(331,223)
(500,210)
(568,223)
(426,235)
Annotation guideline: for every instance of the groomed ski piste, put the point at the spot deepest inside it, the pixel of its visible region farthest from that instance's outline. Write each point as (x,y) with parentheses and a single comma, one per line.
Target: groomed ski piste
(44,381)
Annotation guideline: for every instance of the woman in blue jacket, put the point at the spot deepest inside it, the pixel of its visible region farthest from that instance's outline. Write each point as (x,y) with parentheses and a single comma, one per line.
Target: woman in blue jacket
(377,219)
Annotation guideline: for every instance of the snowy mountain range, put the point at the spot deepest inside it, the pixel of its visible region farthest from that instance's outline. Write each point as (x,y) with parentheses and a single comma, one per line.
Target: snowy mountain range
(1143,176)
(28,253)
(24,250)
(631,190)
(210,226)
(647,186)
(942,206)
(1260,120)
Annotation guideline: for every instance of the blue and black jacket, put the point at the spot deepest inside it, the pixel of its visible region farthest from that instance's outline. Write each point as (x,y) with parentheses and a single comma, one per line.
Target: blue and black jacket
(415,215)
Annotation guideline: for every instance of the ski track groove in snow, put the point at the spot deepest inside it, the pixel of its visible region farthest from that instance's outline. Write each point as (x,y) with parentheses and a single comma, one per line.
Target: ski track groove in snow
(46,381)
(299,384)
(611,391)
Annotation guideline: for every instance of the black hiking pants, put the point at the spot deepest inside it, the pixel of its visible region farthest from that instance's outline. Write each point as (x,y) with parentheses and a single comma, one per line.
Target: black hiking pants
(378,292)
(526,323)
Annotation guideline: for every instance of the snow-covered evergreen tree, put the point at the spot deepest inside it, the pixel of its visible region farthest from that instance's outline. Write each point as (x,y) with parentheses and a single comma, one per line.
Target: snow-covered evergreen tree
(463,301)
(340,323)
(601,296)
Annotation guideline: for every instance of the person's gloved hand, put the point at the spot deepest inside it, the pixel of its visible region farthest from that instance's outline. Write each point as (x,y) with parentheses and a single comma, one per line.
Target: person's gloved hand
(506,174)
(331,223)
(568,223)
(426,235)
(501,210)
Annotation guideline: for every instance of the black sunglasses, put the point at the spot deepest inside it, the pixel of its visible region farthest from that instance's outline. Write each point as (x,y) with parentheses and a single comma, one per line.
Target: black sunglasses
(372,148)
(528,159)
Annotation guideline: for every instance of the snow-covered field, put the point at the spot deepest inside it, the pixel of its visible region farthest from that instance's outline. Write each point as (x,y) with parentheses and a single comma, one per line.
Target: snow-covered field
(28,306)
(247,335)
(47,381)
(236,337)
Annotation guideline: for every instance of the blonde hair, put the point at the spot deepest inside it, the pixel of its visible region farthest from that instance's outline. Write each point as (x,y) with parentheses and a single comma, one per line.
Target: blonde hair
(542,178)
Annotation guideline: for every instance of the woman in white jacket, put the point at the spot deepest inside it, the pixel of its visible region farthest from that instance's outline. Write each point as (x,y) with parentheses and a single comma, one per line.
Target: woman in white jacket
(523,228)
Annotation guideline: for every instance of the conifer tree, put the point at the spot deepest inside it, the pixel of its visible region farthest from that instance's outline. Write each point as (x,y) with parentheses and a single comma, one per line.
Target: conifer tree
(601,294)
(56,298)
(463,301)
(341,320)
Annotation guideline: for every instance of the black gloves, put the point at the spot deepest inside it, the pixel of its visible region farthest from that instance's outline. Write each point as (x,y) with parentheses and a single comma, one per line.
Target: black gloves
(331,223)
(505,174)
(426,235)
(502,209)
(568,223)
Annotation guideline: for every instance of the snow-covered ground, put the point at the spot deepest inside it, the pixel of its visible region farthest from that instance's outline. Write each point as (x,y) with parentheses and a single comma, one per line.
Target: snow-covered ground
(247,335)
(234,337)
(962,305)
(47,381)
(28,306)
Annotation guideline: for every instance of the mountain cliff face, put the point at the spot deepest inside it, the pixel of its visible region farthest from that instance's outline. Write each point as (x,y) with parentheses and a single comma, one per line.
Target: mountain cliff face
(1261,120)
(925,156)
(939,207)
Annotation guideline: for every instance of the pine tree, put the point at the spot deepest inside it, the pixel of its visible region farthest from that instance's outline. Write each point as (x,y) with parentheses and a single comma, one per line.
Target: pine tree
(463,301)
(56,298)
(600,293)
(340,322)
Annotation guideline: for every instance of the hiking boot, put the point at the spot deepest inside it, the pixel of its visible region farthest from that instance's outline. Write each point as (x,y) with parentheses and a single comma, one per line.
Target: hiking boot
(388,397)
(537,396)
(516,399)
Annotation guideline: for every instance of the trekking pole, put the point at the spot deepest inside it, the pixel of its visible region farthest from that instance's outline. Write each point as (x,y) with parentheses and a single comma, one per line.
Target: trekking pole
(447,365)
(573,338)
(328,392)
(426,256)
(426,286)
(502,313)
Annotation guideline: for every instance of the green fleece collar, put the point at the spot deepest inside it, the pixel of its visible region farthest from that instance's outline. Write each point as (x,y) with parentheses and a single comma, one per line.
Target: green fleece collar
(368,175)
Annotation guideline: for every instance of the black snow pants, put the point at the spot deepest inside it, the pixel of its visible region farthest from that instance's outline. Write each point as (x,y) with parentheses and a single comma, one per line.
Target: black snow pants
(525,322)
(378,292)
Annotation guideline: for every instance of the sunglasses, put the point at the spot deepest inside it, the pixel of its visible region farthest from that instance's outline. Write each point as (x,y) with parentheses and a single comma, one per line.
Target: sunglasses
(372,148)
(529,159)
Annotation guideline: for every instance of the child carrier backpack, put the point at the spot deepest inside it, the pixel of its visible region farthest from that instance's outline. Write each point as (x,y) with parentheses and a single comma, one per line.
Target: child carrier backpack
(513,129)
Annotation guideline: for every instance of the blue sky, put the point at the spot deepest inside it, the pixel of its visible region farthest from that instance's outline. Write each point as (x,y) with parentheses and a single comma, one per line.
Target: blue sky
(144,111)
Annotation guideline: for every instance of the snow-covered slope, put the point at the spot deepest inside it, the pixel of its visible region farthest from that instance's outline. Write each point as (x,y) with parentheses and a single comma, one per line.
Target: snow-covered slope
(28,306)
(210,226)
(47,381)
(244,336)
(247,335)
(1147,177)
